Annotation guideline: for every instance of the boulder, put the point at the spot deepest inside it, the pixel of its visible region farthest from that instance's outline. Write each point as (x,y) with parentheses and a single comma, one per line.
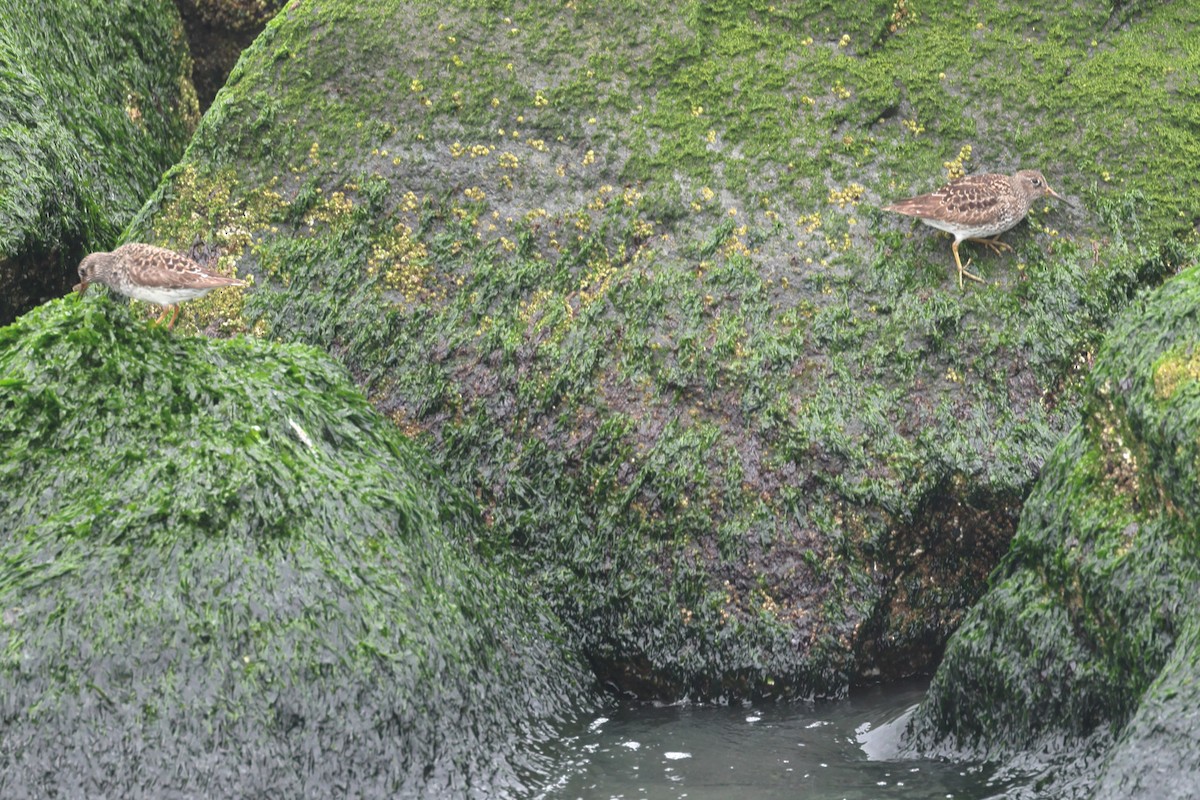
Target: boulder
(226,575)
(624,268)
(1083,652)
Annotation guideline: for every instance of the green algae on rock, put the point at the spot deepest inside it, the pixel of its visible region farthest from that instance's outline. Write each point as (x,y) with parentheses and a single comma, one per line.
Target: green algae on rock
(217,554)
(623,265)
(1087,638)
(96,102)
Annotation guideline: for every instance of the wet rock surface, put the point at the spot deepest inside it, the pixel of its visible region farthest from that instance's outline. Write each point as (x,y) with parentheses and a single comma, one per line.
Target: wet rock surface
(626,272)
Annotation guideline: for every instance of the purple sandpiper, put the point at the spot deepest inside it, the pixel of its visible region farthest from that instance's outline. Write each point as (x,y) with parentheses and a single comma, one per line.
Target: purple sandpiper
(976,207)
(153,274)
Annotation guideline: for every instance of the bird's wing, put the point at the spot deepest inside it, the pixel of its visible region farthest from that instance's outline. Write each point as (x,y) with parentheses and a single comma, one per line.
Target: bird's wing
(974,197)
(160,267)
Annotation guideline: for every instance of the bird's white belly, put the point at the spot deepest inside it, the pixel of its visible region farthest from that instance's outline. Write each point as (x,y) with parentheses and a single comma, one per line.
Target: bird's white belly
(163,295)
(960,231)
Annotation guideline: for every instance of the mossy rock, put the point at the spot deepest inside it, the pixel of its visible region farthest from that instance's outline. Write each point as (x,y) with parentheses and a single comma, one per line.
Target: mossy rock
(216,553)
(1087,641)
(96,101)
(623,266)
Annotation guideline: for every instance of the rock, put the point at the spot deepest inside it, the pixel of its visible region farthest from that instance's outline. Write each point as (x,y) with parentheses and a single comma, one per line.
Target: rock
(624,266)
(216,554)
(1084,649)
(95,104)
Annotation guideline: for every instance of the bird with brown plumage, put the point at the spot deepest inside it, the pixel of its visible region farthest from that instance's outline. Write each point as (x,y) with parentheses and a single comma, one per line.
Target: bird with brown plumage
(153,274)
(977,208)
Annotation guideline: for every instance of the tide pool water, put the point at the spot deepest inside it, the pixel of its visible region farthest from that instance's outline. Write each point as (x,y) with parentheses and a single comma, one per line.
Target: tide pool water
(836,750)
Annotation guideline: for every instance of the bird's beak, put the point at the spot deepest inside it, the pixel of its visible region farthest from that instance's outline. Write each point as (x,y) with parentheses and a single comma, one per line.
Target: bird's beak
(80,287)
(1066,200)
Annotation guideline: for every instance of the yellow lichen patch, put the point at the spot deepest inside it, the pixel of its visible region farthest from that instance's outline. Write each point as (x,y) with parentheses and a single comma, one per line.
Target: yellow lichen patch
(403,261)
(203,208)
(409,203)
(642,229)
(233,239)
(407,425)
(834,244)
(581,221)
(810,222)
(458,150)
(189,104)
(957,168)
(705,197)
(595,281)
(851,195)
(335,208)
(1116,447)
(1173,370)
(528,309)
(221,306)
(736,244)
(598,202)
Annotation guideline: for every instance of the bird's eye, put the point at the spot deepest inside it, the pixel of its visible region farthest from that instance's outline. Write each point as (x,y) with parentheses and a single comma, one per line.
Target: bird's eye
(1037,182)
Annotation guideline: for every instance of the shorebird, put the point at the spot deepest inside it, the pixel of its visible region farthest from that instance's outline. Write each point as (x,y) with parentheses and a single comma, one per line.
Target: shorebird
(977,208)
(153,274)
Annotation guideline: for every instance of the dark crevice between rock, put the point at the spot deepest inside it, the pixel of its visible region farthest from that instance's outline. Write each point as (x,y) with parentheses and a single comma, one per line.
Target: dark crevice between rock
(218,31)
(29,279)
(943,559)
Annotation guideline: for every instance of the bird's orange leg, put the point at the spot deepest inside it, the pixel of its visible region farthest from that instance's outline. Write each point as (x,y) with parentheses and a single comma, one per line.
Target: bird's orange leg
(962,272)
(167,310)
(994,243)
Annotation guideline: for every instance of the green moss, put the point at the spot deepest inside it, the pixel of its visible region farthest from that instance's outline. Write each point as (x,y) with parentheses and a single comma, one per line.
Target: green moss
(218,550)
(96,103)
(626,268)
(1086,636)
(1156,753)
(1174,370)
